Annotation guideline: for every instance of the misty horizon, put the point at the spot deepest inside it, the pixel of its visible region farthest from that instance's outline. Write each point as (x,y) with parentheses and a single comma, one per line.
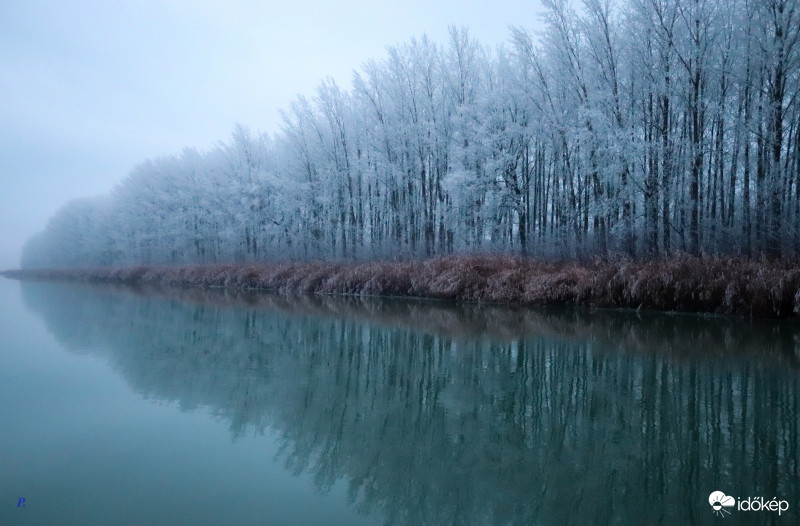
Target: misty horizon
(633,128)
(92,90)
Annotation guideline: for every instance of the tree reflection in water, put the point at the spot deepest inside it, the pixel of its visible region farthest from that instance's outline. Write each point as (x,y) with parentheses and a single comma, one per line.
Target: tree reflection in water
(444,414)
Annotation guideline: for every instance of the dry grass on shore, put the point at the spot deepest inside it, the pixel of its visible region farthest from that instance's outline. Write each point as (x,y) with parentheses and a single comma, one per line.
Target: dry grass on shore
(723,285)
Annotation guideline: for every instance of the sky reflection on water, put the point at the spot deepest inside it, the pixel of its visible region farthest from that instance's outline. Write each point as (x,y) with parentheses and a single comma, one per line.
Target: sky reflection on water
(396,412)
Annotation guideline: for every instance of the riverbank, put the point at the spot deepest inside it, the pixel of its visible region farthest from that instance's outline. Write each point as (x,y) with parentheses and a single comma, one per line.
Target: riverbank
(733,286)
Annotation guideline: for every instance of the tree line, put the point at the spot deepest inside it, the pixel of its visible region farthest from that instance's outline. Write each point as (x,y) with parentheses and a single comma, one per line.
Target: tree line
(643,127)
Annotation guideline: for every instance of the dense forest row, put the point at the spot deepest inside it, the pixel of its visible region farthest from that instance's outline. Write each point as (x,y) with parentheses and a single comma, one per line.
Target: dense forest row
(643,127)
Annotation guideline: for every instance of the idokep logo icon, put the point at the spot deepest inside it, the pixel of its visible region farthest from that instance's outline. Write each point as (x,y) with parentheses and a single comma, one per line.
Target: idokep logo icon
(719,501)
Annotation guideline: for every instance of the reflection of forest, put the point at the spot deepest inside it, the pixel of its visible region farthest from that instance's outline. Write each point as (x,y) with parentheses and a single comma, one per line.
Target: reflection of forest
(470,415)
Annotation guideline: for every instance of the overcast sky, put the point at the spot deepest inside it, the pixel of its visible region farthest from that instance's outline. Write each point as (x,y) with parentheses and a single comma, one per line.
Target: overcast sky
(88,89)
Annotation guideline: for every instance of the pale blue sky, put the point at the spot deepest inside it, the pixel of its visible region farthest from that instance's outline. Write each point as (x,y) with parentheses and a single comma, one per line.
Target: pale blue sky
(90,88)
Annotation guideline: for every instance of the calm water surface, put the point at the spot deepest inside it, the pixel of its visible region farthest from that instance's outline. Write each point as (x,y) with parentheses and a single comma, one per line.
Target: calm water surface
(122,406)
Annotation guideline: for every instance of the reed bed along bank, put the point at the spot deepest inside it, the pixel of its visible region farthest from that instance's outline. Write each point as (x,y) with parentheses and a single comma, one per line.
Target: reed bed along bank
(721,285)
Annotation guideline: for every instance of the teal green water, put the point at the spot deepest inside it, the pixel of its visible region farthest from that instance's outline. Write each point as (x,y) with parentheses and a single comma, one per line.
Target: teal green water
(207,407)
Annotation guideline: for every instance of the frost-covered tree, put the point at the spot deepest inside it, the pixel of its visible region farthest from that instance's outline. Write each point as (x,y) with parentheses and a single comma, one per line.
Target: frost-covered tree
(636,126)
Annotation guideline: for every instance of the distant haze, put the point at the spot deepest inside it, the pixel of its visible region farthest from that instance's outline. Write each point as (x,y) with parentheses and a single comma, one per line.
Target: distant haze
(91,88)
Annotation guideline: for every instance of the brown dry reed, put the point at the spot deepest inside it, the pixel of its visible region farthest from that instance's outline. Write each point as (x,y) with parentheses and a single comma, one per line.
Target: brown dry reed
(705,284)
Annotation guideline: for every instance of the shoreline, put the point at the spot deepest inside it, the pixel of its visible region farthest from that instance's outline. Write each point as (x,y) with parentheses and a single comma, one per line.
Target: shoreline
(687,284)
